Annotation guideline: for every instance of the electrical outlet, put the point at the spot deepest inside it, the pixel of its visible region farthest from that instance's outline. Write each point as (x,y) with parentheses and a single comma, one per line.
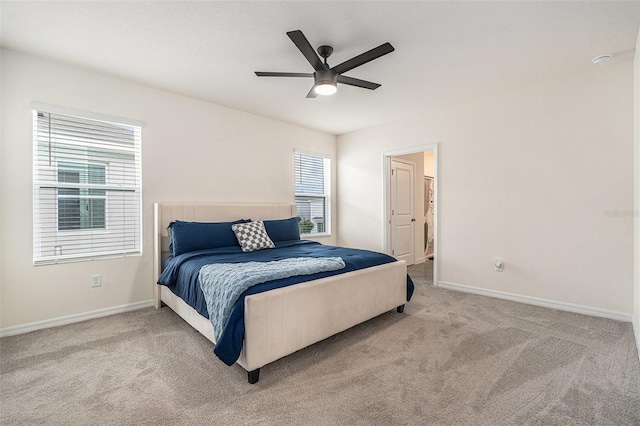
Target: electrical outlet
(96,280)
(499,265)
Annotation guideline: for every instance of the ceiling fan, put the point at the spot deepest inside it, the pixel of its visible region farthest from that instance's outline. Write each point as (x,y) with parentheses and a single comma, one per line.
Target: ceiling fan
(326,79)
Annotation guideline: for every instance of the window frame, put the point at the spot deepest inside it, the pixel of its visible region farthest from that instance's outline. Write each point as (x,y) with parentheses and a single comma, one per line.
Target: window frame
(126,239)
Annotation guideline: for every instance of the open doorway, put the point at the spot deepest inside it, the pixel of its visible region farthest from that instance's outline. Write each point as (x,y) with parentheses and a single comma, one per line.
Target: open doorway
(429,187)
(411,219)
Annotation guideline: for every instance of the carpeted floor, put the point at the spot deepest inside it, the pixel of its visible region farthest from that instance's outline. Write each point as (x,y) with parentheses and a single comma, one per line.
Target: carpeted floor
(450,359)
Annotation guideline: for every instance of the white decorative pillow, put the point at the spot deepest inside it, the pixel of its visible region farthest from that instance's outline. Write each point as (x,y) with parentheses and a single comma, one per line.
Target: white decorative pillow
(252,236)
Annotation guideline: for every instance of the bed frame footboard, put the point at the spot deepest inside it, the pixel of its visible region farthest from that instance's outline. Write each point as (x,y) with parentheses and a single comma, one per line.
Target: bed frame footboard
(282,321)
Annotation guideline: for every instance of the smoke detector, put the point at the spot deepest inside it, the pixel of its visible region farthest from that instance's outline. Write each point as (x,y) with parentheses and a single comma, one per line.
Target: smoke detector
(599,60)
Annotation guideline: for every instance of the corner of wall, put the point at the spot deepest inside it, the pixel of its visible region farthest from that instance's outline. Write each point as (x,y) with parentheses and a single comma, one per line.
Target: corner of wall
(636,177)
(2,203)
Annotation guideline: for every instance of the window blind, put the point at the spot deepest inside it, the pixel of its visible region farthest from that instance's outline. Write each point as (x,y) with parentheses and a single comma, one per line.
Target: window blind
(313,193)
(87,188)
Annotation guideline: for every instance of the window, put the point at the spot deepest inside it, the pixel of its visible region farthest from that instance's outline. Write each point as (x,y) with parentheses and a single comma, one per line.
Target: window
(81,208)
(313,193)
(87,188)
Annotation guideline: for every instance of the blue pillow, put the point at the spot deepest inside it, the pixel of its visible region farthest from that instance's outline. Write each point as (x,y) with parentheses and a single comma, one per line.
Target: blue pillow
(192,236)
(283,229)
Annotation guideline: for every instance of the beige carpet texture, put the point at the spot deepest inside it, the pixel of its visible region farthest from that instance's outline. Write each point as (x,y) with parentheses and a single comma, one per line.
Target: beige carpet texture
(450,359)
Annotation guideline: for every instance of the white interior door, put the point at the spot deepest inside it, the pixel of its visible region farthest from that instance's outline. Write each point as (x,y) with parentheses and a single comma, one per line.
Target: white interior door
(403,210)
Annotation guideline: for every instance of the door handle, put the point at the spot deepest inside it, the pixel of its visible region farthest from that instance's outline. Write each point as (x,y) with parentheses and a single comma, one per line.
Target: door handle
(413,219)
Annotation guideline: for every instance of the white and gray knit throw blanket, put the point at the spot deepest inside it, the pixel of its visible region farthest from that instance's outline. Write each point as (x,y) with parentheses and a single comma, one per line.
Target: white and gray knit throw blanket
(223,283)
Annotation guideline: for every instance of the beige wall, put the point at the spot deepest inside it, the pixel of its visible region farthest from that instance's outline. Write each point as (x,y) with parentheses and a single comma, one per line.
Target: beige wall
(517,182)
(191,151)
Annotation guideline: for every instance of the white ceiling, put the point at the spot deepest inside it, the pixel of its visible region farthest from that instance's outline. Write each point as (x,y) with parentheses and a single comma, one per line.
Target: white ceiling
(446,52)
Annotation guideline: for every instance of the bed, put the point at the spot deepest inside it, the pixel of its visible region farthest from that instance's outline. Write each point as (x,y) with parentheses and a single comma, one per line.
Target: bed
(282,320)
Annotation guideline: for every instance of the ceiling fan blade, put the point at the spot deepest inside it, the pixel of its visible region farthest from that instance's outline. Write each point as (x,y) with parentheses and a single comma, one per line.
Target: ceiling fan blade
(304,46)
(362,59)
(283,74)
(357,82)
(312,93)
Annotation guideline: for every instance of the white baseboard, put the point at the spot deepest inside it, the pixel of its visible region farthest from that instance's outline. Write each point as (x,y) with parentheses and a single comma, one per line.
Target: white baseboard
(68,319)
(546,303)
(420,260)
(636,333)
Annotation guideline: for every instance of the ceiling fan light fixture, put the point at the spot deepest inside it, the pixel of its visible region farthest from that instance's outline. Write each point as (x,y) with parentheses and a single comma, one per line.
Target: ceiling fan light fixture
(326,82)
(325,88)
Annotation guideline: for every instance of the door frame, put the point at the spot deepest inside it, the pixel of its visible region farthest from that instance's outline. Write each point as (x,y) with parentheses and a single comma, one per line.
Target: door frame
(386,166)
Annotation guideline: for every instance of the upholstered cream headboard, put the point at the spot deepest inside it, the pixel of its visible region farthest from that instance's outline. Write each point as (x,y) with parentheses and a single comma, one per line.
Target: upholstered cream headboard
(165,213)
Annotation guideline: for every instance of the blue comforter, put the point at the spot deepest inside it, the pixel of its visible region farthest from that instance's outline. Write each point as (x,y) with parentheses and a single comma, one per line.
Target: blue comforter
(181,276)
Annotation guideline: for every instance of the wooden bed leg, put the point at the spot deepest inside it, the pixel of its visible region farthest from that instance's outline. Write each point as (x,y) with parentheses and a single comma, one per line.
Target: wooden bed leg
(400,309)
(253,376)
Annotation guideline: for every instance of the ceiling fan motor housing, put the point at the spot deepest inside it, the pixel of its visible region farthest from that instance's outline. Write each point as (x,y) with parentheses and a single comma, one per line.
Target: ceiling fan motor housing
(325,76)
